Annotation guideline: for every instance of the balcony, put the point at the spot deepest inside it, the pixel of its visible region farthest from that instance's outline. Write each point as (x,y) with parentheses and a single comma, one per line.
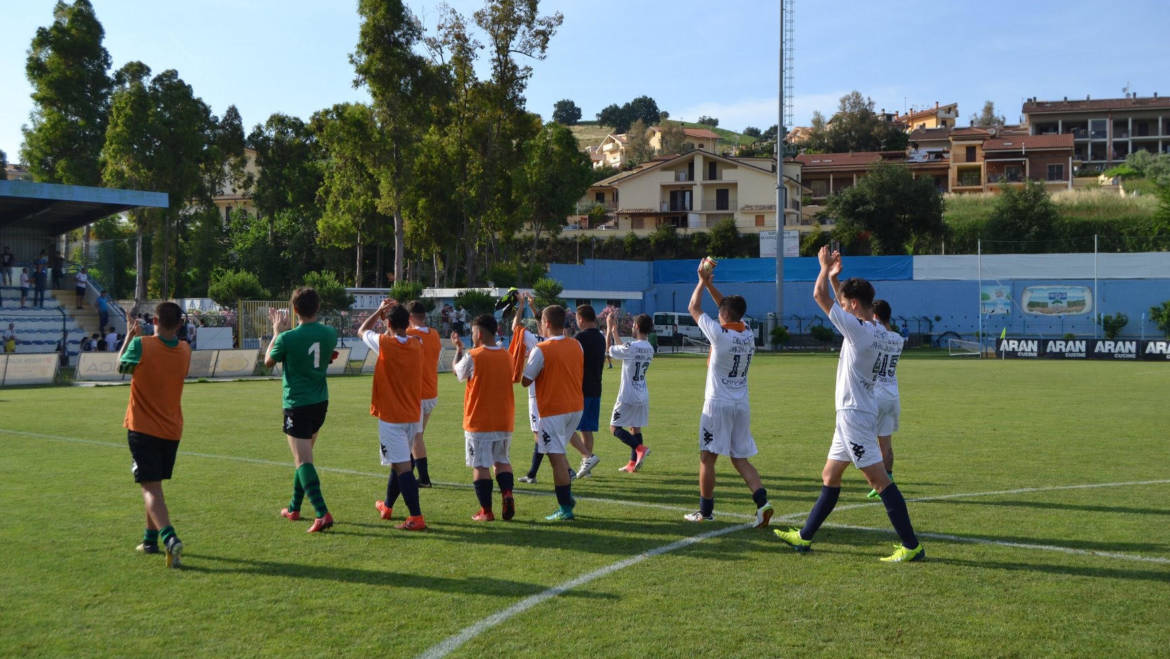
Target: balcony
(676,207)
(1005,177)
(683,177)
(717,177)
(717,205)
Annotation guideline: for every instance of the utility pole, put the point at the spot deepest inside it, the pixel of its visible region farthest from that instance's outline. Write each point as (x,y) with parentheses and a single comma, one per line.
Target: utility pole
(781,191)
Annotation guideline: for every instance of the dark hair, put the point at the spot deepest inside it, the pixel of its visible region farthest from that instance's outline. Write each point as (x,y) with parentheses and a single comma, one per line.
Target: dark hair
(856,288)
(554,315)
(417,308)
(486,322)
(734,307)
(881,309)
(398,317)
(168,315)
(306,302)
(644,324)
(586,312)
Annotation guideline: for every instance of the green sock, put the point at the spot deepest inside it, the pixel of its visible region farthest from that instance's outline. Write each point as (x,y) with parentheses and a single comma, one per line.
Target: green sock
(308,477)
(298,492)
(166,533)
(150,537)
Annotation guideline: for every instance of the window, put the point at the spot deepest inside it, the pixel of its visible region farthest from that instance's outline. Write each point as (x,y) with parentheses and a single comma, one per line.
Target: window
(759,220)
(599,197)
(637,223)
(1142,128)
(969,177)
(1098,129)
(1012,173)
(1056,172)
(722,199)
(616,304)
(680,200)
(970,154)
(712,171)
(819,188)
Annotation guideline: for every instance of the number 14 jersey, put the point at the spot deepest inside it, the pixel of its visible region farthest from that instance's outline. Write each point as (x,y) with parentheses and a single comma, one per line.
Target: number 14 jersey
(732,347)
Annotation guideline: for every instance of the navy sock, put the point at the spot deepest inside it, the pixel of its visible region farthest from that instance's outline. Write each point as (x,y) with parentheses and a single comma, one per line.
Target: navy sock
(537,458)
(565,495)
(820,511)
(626,437)
(409,488)
(899,516)
(505,481)
(760,496)
(483,492)
(392,489)
(706,506)
(423,474)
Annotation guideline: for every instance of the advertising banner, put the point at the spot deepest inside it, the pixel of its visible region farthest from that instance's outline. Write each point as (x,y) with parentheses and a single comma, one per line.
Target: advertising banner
(1119,349)
(1057,300)
(37,368)
(98,367)
(995,299)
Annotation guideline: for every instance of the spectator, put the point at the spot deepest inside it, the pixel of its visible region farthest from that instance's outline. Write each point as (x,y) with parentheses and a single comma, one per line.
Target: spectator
(103,307)
(40,281)
(147,326)
(62,354)
(7,260)
(10,340)
(112,339)
(23,286)
(460,316)
(102,344)
(56,265)
(80,287)
(43,259)
(88,343)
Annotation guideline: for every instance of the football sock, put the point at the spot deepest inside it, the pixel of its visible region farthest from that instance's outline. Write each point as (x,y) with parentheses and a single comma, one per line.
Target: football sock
(565,495)
(307,474)
(505,480)
(706,506)
(537,458)
(409,488)
(820,511)
(760,496)
(483,492)
(626,437)
(150,537)
(638,438)
(166,533)
(393,487)
(899,516)
(298,492)
(423,474)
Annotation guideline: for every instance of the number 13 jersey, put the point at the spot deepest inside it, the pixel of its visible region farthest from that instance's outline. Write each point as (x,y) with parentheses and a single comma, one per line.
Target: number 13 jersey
(635,357)
(732,347)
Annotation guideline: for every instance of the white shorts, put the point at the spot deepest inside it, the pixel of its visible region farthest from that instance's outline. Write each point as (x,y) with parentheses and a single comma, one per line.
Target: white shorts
(725,429)
(630,415)
(533,415)
(395,439)
(428,405)
(555,431)
(887,418)
(484,449)
(855,439)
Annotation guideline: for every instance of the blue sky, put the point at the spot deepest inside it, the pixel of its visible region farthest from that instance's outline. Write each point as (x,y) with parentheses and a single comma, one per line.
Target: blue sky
(694,57)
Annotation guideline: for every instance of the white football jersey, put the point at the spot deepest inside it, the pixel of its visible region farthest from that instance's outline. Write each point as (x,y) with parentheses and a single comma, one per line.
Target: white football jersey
(728,362)
(885,365)
(635,357)
(862,351)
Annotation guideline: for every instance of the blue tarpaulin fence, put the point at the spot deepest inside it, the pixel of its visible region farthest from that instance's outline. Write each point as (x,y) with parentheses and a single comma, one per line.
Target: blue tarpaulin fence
(873,268)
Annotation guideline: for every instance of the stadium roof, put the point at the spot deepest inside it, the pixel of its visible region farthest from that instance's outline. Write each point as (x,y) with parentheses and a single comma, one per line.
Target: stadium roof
(57,208)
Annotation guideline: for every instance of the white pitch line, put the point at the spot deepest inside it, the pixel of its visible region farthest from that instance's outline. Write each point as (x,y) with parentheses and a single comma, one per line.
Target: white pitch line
(1019,545)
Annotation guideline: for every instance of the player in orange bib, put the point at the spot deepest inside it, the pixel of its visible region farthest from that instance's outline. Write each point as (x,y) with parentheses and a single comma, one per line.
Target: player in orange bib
(489,410)
(432,348)
(154,418)
(555,367)
(397,402)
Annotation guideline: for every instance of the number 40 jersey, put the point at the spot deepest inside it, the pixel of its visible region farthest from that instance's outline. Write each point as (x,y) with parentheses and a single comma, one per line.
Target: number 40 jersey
(732,347)
(635,357)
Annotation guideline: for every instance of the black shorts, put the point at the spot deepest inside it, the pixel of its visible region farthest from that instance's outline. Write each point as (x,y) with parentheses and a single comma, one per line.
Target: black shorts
(304,422)
(154,457)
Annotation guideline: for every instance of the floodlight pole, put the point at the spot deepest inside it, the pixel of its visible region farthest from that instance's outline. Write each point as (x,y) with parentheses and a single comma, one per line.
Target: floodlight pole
(979,293)
(781,191)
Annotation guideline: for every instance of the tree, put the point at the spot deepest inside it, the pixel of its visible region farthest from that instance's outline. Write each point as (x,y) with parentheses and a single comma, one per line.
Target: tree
(752,131)
(855,127)
(895,212)
(708,121)
(1112,324)
(644,108)
(1022,214)
(566,112)
(638,149)
(674,139)
(1160,314)
(330,289)
(770,133)
(230,286)
(475,302)
(613,116)
(724,239)
(546,291)
(555,175)
(67,68)
(3,165)
(987,118)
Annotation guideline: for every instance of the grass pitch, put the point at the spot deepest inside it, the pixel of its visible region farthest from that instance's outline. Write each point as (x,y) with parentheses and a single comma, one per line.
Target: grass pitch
(1018,567)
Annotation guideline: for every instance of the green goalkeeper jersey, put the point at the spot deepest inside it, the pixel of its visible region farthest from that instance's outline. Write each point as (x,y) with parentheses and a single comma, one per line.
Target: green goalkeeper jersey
(305,353)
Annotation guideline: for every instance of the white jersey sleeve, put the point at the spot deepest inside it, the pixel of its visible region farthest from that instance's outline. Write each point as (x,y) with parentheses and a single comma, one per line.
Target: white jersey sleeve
(535,363)
(464,368)
(370,338)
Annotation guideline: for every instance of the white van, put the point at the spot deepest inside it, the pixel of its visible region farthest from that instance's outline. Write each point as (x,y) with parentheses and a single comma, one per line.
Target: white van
(671,327)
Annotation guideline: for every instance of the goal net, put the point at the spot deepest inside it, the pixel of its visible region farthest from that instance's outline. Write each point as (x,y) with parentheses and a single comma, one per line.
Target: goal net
(962,348)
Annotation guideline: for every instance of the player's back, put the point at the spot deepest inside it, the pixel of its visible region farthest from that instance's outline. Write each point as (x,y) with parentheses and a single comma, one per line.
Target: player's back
(886,363)
(306,352)
(397,388)
(861,349)
(156,388)
(488,401)
(635,357)
(432,348)
(730,356)
(558,386)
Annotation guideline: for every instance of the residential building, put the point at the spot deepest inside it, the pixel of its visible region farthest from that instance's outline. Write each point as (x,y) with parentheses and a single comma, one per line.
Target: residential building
(696,191)
(1106,130)
(701,139)
(611,152)
(231,198)
(826,174)
(940,116)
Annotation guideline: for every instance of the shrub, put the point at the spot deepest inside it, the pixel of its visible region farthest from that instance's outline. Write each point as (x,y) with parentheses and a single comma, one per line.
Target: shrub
(475,302)
(1161,317)
(408,291)
(547,291)
(780,335)
(821,333)
(230,286)
(331,290)
(1113,324)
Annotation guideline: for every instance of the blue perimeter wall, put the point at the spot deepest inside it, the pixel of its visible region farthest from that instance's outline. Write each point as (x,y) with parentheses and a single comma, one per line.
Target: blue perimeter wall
(667,286)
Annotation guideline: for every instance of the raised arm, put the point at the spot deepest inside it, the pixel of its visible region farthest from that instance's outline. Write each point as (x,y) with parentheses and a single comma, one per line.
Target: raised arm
(821,288)
(834,276)
(132,329)
(379,313)
(695,307)
(280,323)
(611,331)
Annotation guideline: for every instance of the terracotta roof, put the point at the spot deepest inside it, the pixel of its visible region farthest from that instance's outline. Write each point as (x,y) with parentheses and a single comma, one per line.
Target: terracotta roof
(1023,142)
(838,160)
(926,134)
(970,131)
(928,112)
(1097,105)
(701,133)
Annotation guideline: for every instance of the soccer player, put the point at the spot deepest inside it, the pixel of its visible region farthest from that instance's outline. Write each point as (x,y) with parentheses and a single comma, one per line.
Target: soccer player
(397,402)
(305,353)
(432,348)
(154,419)
(489,410)
(593,346)
(725,423)
(855,436)
(521,346)
(632,407)
(554,367)
(889,403)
